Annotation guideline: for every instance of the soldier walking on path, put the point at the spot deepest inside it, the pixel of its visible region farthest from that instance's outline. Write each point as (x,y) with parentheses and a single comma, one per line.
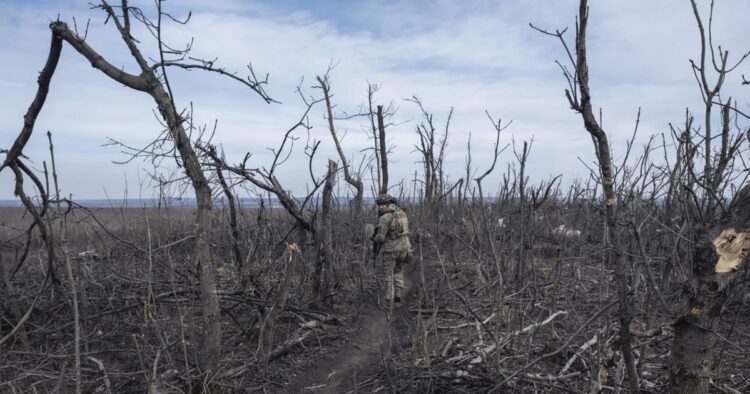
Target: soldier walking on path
(392,246)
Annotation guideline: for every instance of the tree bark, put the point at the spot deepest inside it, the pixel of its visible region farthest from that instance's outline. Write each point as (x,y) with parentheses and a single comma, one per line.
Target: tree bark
(44,79)
(604,157)
(324,265)
(719,253)
(16,150)
(383,152)
(211,331)
(232,220)
(149,82)
(721,237)
(355,182)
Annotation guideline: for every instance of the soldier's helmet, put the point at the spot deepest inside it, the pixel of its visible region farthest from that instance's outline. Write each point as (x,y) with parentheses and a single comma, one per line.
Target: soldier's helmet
(385,198)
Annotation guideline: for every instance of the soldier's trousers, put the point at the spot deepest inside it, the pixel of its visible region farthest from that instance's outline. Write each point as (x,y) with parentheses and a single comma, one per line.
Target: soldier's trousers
(392,273)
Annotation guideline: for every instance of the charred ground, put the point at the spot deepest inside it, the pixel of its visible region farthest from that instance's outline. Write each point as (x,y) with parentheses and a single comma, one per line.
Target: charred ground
(519,306)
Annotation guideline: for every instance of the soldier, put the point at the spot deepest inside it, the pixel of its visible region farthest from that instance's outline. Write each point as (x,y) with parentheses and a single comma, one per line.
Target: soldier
(391,239)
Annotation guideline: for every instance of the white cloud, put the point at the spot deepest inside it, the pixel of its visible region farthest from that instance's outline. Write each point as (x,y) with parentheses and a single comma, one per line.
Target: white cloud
(473,56)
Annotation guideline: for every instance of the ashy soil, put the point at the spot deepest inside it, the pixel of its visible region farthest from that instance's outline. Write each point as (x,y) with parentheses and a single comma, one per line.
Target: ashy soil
(352,367)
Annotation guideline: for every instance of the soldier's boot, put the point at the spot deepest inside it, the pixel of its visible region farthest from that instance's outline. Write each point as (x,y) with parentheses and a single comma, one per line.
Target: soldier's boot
(398,283)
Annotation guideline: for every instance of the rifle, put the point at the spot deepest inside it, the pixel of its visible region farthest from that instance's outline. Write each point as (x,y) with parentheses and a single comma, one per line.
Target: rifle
(375,251)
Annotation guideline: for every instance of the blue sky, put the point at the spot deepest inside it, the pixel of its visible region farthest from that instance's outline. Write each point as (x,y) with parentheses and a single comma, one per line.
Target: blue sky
(475,56)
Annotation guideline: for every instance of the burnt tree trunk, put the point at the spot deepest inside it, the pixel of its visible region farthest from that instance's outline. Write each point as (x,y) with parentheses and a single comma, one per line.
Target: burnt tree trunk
(604,156)
(721,236)
(383,152)
(232,220)
(719,253)
(147,81)
(211,330)
(355,182)
(324,265)
(13,154)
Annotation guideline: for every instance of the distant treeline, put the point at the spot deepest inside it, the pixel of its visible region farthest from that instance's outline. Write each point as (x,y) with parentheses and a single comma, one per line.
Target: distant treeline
(247,202)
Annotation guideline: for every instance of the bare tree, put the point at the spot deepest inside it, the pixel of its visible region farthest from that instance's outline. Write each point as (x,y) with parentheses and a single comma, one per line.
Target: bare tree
(377,116)
(355,182)
(720,236)
(371,116)
(579,98)
(265,179)
(149,81)
(324,268)
(499,127)
(522,159)
(432,149)
(13,161)
(383,151)
(231,201)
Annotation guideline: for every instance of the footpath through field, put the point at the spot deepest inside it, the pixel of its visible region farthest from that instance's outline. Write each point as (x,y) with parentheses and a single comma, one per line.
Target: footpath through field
(354,367)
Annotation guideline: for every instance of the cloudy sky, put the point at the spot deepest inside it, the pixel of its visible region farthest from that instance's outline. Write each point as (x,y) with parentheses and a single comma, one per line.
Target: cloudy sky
(474,56)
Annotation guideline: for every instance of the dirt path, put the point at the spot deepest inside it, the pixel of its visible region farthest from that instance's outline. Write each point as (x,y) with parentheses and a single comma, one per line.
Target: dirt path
(354,363)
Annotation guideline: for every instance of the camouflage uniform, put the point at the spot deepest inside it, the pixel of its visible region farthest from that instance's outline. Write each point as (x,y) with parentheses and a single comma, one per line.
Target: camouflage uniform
(392,236)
